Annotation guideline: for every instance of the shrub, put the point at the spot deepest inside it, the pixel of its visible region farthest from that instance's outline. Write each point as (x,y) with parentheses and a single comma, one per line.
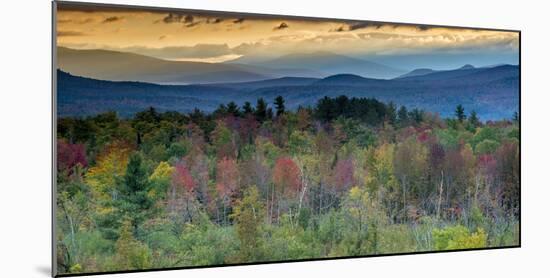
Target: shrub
(458,237)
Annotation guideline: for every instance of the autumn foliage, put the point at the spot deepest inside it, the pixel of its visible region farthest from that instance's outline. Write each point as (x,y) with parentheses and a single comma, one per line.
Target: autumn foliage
(346,177)
(286,176)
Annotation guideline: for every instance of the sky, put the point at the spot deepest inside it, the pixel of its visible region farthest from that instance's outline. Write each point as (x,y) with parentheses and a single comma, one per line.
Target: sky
(217,37)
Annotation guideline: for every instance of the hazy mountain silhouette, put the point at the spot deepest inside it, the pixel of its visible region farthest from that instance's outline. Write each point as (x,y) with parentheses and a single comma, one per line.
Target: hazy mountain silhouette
(492,92)
(417,72)
(330,63)
(124,66)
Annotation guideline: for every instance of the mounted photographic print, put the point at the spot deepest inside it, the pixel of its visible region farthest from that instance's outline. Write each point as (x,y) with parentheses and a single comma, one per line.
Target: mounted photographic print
(191,138)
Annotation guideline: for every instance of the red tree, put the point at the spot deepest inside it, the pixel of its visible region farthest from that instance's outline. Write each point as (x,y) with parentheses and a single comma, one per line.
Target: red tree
(182,193)
(227,175)
(286,176)
(182,178)
(343,174)
(69,155)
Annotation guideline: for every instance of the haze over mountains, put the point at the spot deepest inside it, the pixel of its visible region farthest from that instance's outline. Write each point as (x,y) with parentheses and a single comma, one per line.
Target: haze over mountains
(492,92)
(125,66)
(329,64)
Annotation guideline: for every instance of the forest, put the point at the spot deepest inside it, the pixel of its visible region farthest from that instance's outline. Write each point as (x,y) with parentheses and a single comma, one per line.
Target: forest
(258,183)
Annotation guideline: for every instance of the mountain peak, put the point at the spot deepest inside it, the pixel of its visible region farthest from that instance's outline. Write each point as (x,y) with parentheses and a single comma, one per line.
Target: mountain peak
(346,79)
(417,72)
(344,76)
(467,66)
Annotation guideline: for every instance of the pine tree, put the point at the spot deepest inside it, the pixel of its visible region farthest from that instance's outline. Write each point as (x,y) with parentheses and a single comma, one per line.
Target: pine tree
(133,201)
(391,113)
(247,108)
(403,116)
(233,109)
(261,110)
(279,105)
(459,113)
(473,119)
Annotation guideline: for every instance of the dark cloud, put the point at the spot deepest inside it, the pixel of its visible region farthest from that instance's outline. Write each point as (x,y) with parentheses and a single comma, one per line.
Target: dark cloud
(214,20)
(70,34)
(173,18)
(339,29)
(188,19)
(82,21)
(162,37)
(361,25)
(112,19)
(352,26)
(281,26)
(238,20)
(423,28)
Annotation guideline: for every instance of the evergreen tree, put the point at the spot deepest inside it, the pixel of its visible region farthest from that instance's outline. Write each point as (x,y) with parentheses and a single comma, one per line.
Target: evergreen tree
(391,113)
(402,115)
(474,120)
(279,105)
(459,113)
(233,109)
(261,110)
(133,201)
(416,115)
(269,113)
(247,108)
(324,109)
(144,122)
(221,110)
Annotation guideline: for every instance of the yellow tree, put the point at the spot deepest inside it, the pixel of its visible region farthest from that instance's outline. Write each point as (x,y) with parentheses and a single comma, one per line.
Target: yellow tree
(110,166)
(381,181)
(130,253)
(248,215)
(160,179)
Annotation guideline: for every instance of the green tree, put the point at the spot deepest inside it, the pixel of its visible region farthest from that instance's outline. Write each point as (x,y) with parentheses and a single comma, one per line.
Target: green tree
(459,113)
(261,110)
(279,105)
(133,200)
(130,253)
(247,108)
(233,109)
(248,215)
(403,116)
(391,113)
(474,120)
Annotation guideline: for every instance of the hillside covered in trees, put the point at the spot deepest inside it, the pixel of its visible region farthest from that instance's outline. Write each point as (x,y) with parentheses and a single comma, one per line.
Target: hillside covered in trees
(492,92)
(259,182)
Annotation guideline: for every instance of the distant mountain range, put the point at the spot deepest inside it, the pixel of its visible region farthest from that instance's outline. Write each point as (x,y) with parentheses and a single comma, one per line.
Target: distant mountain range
(125,66)
(456,72)
(330,63)
(492,92)
(417,72)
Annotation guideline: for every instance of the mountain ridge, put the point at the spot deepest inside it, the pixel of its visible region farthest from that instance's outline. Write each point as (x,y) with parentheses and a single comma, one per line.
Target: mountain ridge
(493,93)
